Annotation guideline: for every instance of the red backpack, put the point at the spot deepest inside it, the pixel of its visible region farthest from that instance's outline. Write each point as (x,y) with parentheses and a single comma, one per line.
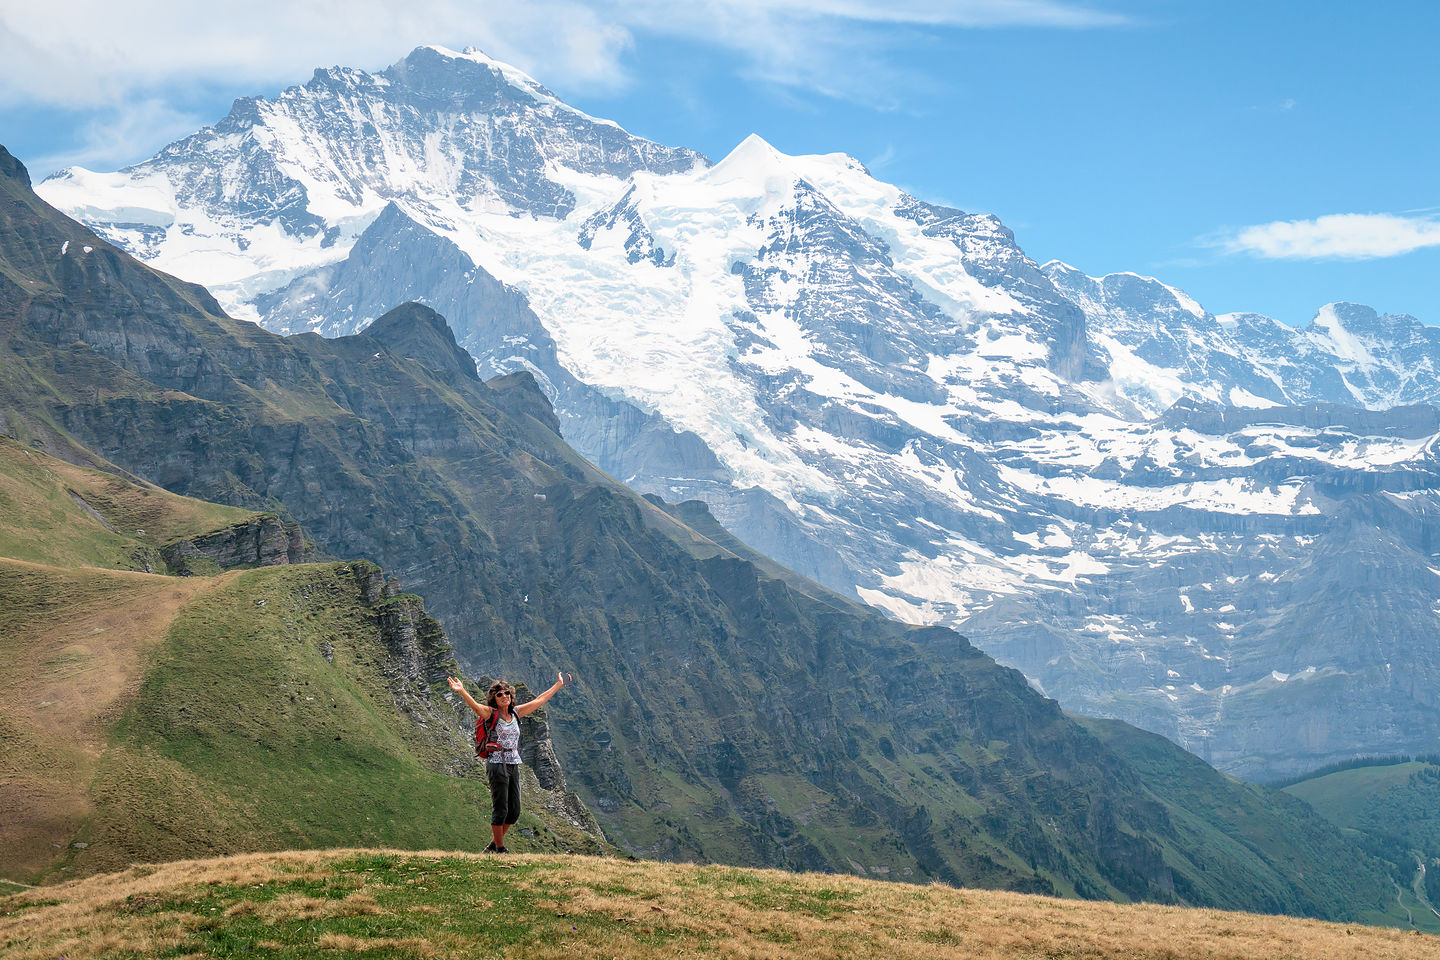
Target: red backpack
(484,730)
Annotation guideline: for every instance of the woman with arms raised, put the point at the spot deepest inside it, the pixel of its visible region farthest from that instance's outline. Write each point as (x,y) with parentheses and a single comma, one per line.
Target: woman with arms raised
(498,742)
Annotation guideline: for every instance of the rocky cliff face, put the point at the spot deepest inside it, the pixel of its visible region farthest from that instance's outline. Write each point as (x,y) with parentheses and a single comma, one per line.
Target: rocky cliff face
(421,658)
(262,542)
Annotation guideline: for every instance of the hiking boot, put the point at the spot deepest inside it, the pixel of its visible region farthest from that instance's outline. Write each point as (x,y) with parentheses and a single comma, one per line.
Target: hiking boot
(491,848)
(502,849)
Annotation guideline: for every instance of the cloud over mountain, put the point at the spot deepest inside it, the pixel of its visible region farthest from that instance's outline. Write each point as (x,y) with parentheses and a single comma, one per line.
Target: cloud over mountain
(1342,236)
(90,52)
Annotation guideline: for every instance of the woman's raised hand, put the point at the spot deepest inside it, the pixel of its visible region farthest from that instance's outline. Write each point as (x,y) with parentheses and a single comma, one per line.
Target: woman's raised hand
(455,684)
(565,678)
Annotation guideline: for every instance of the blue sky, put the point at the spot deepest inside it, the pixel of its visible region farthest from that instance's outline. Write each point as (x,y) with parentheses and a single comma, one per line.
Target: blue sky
(1263,156)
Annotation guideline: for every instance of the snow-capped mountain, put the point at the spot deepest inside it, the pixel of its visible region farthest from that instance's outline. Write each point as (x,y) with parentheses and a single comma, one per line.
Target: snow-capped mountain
(1160,345)
(1215,527)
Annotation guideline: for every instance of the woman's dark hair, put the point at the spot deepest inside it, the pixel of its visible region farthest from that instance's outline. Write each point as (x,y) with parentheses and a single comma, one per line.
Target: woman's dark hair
(500,686)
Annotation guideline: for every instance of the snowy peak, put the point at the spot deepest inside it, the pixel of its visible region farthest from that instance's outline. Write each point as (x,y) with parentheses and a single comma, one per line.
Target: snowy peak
(1160,344)
(286,185)
(1339,328)
(754,169)
(1142,300)
(468,82)
(1351,321)
(752,154)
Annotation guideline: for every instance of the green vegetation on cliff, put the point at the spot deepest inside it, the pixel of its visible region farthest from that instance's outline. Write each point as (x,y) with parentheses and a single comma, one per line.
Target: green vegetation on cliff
(1244,843)
(1393,811)
(55,513)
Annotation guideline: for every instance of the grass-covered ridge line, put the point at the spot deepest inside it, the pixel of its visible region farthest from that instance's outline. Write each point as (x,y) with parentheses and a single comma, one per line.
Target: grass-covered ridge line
(440,904)
(74,648)
(55,513)
(278,714)
(1353,763)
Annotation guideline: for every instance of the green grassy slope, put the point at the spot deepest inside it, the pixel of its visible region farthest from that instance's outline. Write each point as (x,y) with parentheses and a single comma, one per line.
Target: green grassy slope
(268,720)
(1243,843)
(1392,810)
(75,637)
(148,717)
(55,513)
(1354,798)
(73,649)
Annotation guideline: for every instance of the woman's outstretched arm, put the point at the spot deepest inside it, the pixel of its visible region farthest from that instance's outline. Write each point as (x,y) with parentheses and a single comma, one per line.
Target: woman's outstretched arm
(475,705)
(532,705)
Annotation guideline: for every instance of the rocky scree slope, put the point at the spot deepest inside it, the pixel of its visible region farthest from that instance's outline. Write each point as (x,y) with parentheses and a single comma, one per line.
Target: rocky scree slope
(881,748)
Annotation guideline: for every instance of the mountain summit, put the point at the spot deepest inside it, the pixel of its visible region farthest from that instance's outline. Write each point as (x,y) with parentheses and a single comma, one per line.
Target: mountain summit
(414,330)
(886,394)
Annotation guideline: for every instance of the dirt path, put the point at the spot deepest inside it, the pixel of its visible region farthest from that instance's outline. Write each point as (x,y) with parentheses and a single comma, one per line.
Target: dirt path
(74,644)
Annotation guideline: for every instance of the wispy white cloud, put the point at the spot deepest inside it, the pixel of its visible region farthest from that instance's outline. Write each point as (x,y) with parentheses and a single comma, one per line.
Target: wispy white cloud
(86,53)
(1340,236)
(124,74)
(954,13)
(112,138)
(847,49)
(881,160)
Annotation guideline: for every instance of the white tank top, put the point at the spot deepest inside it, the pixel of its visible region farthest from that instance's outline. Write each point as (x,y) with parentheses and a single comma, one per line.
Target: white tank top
(507,734)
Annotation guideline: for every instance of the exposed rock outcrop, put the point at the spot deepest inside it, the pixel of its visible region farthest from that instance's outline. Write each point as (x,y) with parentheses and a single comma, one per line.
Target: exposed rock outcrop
(266,541)
(421,660)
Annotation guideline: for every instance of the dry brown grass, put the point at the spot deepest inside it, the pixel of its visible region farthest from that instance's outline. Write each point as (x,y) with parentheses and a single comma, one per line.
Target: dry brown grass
(75,643)
(401,946)
(592,908)
(740,921)
(107,915)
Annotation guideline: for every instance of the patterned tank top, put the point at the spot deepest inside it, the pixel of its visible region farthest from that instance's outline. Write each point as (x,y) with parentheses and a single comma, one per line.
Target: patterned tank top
(508,736)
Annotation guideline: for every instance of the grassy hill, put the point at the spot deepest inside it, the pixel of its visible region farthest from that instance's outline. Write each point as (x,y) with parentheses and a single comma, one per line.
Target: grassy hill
(1362,798)
(1393,811)
(148,717)
(53,512)
(1246,841)
(437,904)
